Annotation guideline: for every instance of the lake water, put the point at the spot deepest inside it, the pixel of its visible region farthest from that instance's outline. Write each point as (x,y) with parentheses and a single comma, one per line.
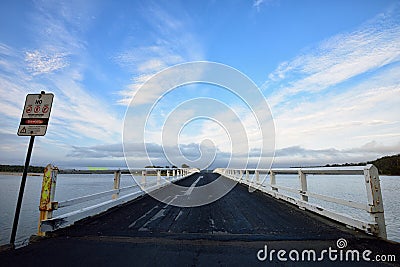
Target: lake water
(71,186)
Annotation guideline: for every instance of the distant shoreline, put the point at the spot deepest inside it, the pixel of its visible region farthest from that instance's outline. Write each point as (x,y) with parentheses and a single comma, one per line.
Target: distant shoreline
(97,172)
(20,173)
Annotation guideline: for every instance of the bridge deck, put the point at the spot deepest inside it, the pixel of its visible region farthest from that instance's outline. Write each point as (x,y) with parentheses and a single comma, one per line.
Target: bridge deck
(229,231)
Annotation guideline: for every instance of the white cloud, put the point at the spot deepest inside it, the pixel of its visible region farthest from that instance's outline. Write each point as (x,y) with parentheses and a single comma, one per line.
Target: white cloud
(367,112)
(338,59)
(39,62)
(174,44)
(257,4)
(300,156)
(77,114)
(339,101)
(72,114)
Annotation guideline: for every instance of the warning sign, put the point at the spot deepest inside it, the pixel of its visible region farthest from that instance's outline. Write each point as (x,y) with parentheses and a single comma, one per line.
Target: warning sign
(36,114)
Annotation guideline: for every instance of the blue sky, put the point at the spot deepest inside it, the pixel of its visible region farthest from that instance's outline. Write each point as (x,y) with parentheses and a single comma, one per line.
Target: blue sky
(329,71)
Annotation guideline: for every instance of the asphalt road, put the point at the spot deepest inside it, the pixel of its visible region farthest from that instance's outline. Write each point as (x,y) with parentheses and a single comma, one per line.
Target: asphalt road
(230,231)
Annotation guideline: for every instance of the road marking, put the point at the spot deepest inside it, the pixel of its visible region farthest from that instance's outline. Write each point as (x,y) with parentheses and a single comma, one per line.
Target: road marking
(142,217)
(159,214)
(212,224)
(179,215)
(162,211)
(189,191)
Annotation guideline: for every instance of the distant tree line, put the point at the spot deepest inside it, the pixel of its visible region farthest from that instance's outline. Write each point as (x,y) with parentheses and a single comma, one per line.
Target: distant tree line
(164,172)
(167,167)
(160,167)
(37,169)
(389,165)
(17,168)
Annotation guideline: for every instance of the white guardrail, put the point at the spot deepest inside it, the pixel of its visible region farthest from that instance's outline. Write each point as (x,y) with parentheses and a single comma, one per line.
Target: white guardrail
(47,204)
(374,204)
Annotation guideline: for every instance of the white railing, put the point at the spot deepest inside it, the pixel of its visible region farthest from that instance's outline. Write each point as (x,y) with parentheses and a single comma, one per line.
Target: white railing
(47,204)
(373,205)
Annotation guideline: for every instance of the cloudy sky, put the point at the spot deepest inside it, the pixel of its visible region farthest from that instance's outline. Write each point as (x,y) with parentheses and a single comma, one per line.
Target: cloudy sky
(329,71)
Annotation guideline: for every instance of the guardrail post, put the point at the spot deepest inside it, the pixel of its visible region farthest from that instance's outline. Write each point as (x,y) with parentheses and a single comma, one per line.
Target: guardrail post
(273,181)
(375,200)
(247,175)
(47,204)
(158,177)
(303,185)
(143,182)
(257,176)
(167,174)
(240,174)
(117,179)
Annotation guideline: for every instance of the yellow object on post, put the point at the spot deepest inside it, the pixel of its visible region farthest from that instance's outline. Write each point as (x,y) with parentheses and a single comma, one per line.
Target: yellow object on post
(47,204)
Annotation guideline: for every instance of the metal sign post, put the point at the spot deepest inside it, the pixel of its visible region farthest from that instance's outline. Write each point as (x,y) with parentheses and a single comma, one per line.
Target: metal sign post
(21,192)
(34,121)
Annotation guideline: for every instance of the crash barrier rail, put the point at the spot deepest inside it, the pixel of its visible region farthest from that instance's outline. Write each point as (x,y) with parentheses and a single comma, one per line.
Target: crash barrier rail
(374,204)
(47,204)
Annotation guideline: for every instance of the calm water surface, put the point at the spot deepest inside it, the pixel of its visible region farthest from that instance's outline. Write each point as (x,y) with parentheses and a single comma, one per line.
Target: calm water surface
(71,186)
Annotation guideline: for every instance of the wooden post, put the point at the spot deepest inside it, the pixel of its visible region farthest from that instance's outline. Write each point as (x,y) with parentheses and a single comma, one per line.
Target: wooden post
(273,181)
(303,185)
(158,177)
(143,182)
(117,179)
(375,201)
(47,204)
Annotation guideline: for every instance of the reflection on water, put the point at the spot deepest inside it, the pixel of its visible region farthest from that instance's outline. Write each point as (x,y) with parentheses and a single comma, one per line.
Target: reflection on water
(71,186)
